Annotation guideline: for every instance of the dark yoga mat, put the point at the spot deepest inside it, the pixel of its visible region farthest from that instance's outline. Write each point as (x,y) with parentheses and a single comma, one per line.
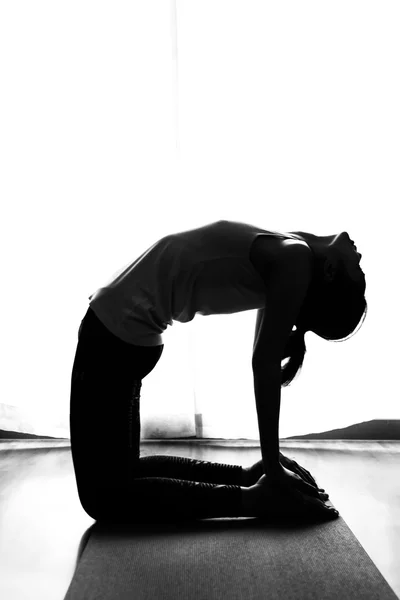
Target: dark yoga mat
(233,559)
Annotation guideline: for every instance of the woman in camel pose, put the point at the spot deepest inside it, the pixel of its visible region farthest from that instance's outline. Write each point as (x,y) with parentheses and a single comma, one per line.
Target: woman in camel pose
(298,281)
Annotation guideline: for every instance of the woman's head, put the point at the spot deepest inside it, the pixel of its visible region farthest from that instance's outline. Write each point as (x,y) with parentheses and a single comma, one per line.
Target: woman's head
(335,303)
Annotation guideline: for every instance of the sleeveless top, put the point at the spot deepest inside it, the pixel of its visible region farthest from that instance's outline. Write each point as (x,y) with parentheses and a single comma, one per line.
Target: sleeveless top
(206,270)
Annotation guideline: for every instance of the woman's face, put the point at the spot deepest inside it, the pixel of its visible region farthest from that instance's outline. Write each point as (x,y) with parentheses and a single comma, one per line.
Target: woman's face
(335,249)
(346,250)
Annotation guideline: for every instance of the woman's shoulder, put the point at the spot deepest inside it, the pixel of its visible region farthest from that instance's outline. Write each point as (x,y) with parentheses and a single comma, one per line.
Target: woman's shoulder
(272,254)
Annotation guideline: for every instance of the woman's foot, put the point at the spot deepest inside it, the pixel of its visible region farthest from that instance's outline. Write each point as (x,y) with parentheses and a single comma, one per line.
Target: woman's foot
(252,474)
(263,500)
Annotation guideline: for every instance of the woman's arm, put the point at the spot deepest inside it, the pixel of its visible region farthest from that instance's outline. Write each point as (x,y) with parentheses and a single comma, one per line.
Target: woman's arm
(286,289)
(267,389)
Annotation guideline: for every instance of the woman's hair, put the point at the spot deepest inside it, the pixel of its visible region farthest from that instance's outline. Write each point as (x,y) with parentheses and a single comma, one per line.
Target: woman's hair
(333,311)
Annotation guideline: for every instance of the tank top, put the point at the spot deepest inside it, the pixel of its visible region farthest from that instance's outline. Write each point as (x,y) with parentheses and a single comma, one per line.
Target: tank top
(206,270)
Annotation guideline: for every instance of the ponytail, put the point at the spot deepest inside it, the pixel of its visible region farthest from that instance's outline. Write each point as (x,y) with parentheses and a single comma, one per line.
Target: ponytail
(295,350)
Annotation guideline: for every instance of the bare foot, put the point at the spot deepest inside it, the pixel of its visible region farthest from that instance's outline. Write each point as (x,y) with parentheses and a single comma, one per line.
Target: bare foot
(264,500)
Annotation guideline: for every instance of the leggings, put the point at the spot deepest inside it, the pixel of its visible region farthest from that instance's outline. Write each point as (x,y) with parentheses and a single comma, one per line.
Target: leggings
(114,484)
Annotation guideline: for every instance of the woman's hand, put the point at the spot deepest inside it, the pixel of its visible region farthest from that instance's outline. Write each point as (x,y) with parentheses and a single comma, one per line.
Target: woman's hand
(285,479)
(293,466)
(252,474)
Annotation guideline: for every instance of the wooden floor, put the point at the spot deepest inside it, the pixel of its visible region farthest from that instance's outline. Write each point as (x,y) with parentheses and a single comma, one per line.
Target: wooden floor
(42,522)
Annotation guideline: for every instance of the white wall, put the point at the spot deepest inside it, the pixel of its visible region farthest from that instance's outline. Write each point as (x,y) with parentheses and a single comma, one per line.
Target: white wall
(278,114)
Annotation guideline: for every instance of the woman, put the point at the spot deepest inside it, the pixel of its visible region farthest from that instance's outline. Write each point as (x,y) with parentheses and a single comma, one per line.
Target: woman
(298,282)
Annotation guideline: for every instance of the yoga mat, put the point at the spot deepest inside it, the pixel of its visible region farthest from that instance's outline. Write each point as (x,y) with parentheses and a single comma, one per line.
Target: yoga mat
(235,559)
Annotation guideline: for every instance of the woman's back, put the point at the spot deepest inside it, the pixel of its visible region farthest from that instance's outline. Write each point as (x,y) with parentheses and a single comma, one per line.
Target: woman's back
(212,269)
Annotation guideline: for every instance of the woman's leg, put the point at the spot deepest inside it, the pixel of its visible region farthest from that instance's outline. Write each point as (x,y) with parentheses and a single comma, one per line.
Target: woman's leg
(179,467)
(113,482)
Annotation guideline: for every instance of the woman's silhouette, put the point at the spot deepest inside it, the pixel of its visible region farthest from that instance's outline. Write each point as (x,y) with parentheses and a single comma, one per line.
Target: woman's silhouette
(298,281)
